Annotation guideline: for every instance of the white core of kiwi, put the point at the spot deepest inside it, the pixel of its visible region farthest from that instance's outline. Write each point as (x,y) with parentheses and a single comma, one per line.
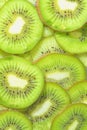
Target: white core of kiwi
(17,26)
(15,81)
(42,109)
(67,5)
(73,125)
(57,75)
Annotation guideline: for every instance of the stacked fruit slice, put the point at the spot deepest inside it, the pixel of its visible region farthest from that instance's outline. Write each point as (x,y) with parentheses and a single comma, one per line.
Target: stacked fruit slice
(43,77)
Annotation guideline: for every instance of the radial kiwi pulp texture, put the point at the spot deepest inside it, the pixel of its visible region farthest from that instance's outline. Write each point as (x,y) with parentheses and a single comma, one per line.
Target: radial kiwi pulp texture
(73,118)
(78,92)
(52,101)
(20,27)
(46,46)
(47,32)
(63,15)
(62,69)
(73,42)
(13,120)
(20,82)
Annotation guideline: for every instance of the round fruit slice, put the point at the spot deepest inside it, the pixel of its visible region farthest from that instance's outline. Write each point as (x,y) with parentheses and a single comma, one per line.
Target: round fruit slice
(78,92)
(63,15)
(20,27)
(44,47)
(20,82)
(53,100)
(73,42)
(12,120)
(73,118)
(62,69)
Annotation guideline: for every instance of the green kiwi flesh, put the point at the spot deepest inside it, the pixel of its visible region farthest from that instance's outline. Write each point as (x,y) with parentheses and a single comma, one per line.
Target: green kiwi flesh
(73,118)
(20,27)
(73,42)
(21,83)
(46,46)
(47,32)
(52,101)
(78,92)
(62,69)
(63,15)
(2,2)
(13,120)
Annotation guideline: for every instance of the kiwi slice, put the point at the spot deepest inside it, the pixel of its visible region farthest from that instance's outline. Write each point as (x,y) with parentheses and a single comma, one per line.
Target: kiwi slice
(53,100)
(62,69)
(21,83)
(63,15)
(73,42)
(13,120)
(46,46)
(20,27)
(78,92)
(47,32)
(73,118)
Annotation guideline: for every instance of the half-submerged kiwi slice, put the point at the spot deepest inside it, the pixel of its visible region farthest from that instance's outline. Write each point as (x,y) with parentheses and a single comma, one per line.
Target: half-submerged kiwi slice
(21,83)
(62,69)
(63,15)
(73,42)
(46,46)
(20,27)
(13,120)
(78,92)
(73,118)
(53,100)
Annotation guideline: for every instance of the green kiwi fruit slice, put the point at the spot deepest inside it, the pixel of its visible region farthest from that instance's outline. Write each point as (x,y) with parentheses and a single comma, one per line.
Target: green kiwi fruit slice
(13,120)
(73,42)
(20,27)
(78,92)
(52,101)
(46,46)
(21,83)
(48,32)
(63,15)
(62,69)
(72,118)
